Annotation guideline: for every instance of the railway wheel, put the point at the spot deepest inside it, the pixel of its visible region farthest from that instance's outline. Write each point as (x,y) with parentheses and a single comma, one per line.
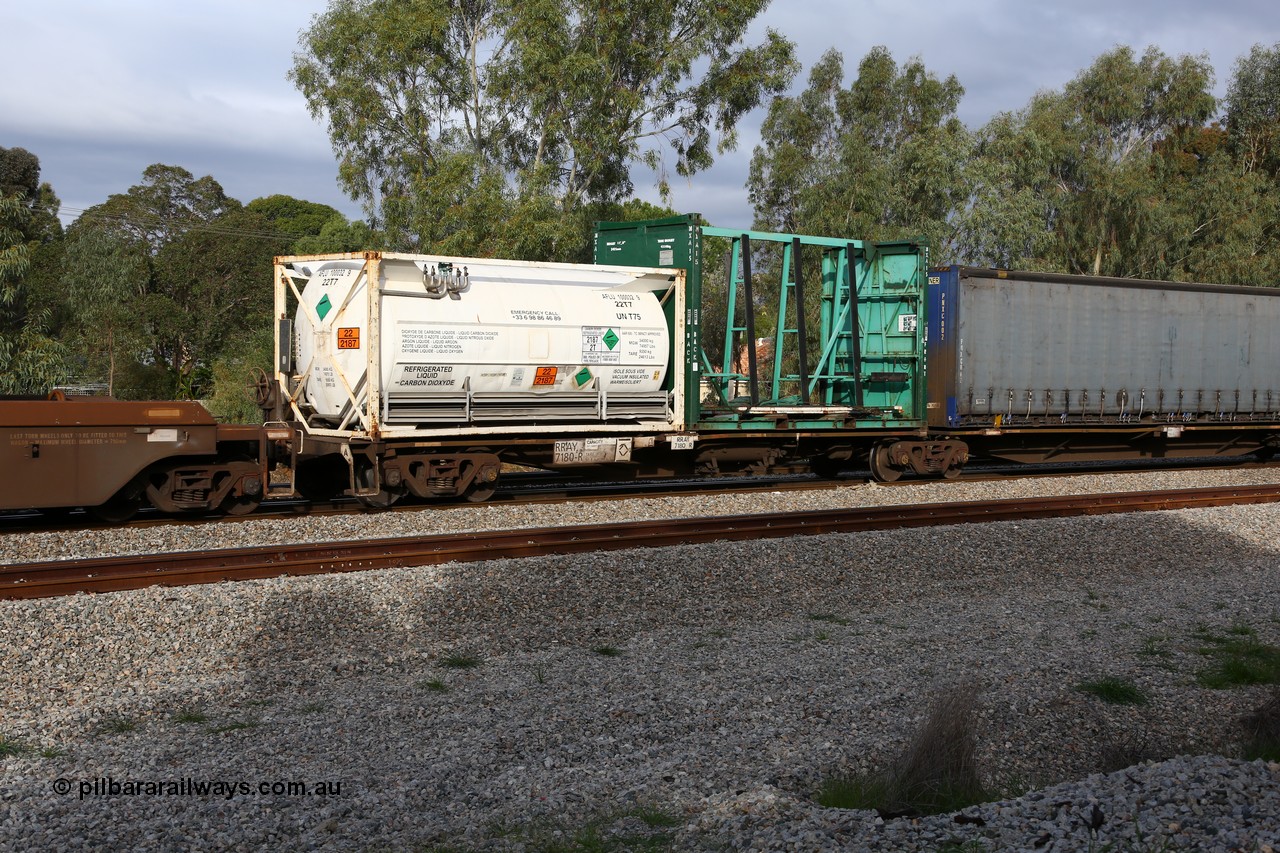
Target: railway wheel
(882,466)
(242,504)
(480,492)
(486,481)
(381,499)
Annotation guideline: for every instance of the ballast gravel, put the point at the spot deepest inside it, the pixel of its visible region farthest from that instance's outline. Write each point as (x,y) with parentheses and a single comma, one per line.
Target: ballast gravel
(690,698)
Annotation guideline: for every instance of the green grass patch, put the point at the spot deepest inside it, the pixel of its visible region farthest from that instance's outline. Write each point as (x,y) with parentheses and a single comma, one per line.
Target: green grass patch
(1237,657)
(435,685)
(654,817)
(892,798)
(863,791)
(608,651)
(596,835)
(52,752)
(11,747)
(313,708)
(1114,691)
(1154,646)
(118,726)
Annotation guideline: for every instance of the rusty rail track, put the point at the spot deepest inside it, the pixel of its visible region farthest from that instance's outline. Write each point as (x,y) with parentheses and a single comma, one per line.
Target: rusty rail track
(108,574)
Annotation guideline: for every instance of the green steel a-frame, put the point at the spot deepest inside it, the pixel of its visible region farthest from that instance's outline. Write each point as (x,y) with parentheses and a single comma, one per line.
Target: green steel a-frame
(863,368)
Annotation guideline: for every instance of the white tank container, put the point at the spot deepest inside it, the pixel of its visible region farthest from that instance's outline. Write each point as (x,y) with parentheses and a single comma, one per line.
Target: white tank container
(466,340)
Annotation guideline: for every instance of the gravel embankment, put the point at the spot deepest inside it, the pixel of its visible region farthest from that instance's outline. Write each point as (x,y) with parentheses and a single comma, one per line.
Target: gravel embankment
(748,673)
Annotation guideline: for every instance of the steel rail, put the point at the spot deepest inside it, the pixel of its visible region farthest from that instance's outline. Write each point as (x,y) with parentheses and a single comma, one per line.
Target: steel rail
(107,574)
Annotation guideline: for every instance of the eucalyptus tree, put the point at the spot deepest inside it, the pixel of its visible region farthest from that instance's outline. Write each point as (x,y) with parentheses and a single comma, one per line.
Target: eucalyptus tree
(1087,179)
(294,216)
(500,125)
(162,207)
(210,292)
(880,159)
(1253,110)
(31,360)
(1242,204)
(105,277)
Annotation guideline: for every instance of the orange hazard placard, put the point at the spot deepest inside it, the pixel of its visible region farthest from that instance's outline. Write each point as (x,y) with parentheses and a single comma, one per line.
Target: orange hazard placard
(349,338)
(545,376)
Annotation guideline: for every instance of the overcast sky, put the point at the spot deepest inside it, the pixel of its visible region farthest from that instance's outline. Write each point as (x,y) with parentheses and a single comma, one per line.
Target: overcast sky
(99,91)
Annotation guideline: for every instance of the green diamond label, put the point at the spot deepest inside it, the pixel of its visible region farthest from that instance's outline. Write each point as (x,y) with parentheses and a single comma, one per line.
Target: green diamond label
(324,306)
(600,345)
(582,377)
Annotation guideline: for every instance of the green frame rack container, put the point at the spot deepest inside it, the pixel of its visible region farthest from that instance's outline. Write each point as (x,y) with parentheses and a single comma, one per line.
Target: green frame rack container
(867,369)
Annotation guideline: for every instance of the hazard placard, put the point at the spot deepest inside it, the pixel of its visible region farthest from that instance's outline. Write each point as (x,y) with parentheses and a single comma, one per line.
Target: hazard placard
(349,337)
(545,376)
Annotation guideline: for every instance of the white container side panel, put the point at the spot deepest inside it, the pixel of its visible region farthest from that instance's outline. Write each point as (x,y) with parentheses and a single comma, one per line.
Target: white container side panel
(1141,346)
(467,341)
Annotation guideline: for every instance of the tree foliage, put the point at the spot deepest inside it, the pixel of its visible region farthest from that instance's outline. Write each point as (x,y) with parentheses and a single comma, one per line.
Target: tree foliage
(293,216)
(1121,173)
(105,277)
(880,159)
(490,126)
(210,289)
(173,274)
(166,204)
(31,361)
(1253,110)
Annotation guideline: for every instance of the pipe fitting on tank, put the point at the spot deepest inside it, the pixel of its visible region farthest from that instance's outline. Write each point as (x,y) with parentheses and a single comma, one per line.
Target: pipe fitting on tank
(445,279)
(435,284)
(459,281)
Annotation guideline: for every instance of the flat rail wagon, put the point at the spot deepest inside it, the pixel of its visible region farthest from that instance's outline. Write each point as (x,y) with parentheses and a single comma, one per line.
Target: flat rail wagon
(800,345)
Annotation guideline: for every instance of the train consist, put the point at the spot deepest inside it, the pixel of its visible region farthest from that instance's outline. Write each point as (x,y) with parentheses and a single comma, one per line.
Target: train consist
(419,375)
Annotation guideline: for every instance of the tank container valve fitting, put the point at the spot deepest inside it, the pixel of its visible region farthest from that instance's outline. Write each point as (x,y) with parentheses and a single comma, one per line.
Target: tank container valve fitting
(436,284)
(460,281)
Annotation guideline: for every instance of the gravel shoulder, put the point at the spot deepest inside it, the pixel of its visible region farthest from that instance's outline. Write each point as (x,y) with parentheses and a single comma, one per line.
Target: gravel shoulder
(747,673)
